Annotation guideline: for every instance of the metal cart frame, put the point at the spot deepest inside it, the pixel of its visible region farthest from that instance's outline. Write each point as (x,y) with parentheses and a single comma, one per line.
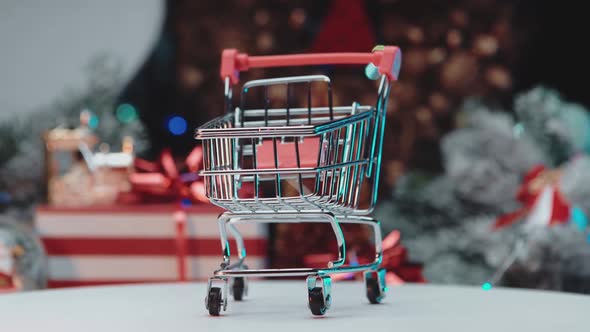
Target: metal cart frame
(347,141)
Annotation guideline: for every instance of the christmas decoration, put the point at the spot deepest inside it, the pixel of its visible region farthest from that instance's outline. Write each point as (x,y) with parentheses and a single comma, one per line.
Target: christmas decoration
(78,176)
(170,183)
(22,259)
(559,127)
(492,170)
(116,244)
(543,202)
(395,261)
(21,159)
(165,181)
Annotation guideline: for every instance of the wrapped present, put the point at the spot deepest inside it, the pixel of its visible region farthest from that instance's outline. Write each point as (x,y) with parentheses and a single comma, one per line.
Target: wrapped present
(136,243)
(163,181)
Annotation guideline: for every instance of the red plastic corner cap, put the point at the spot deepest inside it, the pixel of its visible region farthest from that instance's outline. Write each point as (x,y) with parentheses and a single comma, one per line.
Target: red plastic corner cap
(391,62)
(228,65)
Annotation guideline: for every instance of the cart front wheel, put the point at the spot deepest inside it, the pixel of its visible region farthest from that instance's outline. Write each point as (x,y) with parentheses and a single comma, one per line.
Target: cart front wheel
(375,285)
(214,301)
(316,301)
(373,291)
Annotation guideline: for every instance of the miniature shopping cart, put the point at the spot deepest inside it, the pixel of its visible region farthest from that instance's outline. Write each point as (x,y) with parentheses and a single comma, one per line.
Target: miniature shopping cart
(295,157)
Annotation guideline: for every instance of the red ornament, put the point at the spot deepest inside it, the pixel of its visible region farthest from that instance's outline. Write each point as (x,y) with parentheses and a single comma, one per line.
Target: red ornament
(6,283)
(543,202)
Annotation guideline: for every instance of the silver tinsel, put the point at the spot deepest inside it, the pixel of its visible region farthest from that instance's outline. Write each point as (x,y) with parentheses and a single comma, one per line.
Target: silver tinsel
(560,128)
(446,219)
(575,182)
(485,160)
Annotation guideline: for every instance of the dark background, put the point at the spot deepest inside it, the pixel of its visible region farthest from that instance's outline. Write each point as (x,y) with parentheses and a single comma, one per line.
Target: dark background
(538,42)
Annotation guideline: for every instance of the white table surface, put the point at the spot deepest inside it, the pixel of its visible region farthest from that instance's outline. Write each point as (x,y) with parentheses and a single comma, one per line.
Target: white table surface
(282,306)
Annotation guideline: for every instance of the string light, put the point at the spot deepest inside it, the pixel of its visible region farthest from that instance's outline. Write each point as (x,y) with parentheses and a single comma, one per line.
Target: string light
(4,197)
(93,121)
(177,125)
(126,113)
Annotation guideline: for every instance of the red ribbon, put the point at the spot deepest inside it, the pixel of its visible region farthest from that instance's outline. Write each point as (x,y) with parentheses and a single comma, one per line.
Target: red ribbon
(529,193)
(180,220)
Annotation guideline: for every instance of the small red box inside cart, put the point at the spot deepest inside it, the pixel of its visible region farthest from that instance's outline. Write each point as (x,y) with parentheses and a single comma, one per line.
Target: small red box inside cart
(130,244)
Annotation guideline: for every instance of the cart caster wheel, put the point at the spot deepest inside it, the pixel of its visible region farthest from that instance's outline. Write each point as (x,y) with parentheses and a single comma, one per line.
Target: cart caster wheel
(214,301)
(239,288)
(373,293)
(375,284)
(319,297)
(316,301)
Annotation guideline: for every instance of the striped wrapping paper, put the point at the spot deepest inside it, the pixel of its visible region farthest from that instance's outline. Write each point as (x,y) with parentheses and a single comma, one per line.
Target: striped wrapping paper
(131,244)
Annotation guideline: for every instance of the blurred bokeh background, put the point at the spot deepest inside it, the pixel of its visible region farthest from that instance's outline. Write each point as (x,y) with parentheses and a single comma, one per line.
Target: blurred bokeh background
(489,89)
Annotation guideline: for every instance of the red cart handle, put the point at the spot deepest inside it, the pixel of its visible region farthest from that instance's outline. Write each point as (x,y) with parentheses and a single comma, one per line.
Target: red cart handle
(386,59)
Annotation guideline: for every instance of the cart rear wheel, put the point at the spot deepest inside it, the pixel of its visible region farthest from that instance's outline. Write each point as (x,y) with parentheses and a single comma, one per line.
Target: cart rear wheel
(238,288)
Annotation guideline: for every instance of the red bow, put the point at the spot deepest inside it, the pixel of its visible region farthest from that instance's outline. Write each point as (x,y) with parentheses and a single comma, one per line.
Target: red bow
(164,181)
(543,202)
(395,261)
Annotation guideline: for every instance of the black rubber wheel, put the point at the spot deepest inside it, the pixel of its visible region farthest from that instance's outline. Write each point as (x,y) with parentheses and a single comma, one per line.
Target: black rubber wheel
(316,301)
(214,301)
(373,291)
(238,288)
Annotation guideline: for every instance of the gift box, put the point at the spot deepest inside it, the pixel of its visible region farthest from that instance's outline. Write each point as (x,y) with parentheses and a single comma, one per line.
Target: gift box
(138,243)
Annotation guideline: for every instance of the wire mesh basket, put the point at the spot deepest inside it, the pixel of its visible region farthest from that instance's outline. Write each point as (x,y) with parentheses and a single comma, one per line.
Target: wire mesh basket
(323,154)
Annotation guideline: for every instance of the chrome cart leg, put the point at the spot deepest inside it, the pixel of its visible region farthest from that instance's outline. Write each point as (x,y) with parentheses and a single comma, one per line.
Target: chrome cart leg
(308,217)
(377,237)
(239,242)
(319,294)
(239,285)
(239,288)
(229,218)
(319,297)
(374,278)
(339,239)
(216,298)
(375,284)
(225,223)
(225,252)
